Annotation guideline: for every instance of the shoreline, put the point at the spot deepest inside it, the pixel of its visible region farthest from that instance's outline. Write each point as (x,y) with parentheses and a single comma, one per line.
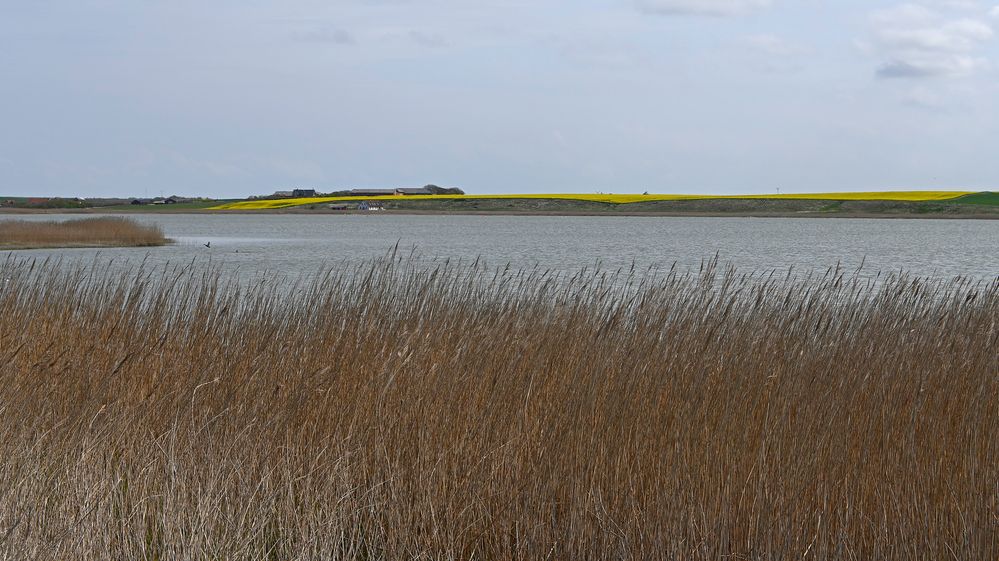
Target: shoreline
(31,247)
(623,214)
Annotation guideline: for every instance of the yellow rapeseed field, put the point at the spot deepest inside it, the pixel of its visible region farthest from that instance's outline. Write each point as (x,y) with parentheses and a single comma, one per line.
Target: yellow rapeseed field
(914,196)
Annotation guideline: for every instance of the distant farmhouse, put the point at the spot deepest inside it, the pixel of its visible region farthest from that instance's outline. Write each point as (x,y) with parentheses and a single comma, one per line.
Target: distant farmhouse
(160,201)
(413,191)
(296,193)
(400,191)
(371,192)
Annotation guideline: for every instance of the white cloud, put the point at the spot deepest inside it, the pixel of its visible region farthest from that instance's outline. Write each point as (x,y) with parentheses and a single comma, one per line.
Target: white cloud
(325,34)
(956,4)
(917,42)
(719,8)
(995,12)
(923,98)
(956,36)
(770,44)
(771,53)
(905,14)
(931,66)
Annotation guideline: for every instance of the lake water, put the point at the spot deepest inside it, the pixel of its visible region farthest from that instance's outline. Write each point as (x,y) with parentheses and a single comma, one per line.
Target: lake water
(293,244)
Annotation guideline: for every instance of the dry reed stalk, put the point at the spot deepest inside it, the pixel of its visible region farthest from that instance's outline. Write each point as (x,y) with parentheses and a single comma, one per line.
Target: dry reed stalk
(396,411)
(86,232)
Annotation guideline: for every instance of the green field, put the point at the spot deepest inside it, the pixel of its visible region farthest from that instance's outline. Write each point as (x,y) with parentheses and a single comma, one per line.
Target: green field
(901,204)
(986,198)
(895,203)
(609,198)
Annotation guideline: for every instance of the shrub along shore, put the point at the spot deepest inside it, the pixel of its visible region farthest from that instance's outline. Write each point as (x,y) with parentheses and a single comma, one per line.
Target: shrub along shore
(405,411)
(87,232)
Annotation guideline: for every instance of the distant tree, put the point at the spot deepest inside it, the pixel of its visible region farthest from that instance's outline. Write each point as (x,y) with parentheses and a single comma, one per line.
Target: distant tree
(436,190)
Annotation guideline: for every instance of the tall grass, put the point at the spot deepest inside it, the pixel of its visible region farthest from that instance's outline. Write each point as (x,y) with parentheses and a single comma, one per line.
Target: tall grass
(86,232)
(400,411)
(904,196)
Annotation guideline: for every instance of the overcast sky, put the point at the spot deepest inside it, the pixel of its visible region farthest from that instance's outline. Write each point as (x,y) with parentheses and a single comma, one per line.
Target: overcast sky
(241,97)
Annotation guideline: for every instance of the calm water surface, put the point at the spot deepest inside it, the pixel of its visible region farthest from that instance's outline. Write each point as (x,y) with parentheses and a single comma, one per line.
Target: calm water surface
(302,244)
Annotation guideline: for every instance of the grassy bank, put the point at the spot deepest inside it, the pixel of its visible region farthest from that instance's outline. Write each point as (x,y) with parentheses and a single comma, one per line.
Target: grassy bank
(898,204)
(709,207)
(605,198)
(88,232)
(915,204)
(394,411)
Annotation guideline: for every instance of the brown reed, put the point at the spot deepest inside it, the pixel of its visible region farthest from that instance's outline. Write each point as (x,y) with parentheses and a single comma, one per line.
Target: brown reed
(86,232)
(400,410)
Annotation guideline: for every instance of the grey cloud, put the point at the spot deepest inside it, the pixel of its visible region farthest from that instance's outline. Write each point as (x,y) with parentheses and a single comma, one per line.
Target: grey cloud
(718,8)
(325,34)
(903,69)
(931,66)
(428,39)
(955,66)
(925,99)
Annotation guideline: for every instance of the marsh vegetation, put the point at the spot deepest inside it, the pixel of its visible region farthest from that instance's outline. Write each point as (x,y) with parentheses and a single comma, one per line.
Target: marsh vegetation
(403,411)
(86,232)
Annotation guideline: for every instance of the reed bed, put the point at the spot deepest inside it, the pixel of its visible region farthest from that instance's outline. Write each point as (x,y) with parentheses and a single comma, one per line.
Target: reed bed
(86,232)
(400,410)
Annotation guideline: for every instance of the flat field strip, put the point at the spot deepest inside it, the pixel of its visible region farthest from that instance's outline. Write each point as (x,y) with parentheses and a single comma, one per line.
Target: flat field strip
(910,196)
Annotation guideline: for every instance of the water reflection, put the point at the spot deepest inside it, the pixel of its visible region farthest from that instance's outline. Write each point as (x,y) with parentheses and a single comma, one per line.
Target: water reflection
(289,244)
